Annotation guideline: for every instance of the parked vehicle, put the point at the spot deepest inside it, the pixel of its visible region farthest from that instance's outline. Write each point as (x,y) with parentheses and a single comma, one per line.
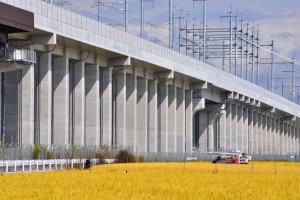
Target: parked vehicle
(226,157)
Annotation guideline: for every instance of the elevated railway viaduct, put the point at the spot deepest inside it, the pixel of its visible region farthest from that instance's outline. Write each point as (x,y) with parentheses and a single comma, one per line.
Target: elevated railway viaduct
(92,84)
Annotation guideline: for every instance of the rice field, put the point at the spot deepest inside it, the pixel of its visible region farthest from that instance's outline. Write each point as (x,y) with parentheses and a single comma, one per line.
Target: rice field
(195,180)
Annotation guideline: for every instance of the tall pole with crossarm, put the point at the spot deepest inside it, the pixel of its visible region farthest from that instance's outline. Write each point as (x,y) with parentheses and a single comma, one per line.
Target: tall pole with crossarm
(204,30)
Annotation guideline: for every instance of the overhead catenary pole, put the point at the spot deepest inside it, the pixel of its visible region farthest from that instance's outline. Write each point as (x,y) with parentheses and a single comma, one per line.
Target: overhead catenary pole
(230,39)
(247,50)
(242,48)
(204,31)
(272,66)
(236,47)
(293,80)
(252,58)
(142,19)
(257,55)
(179,34)
(126,16)
(173,27)
(170,24)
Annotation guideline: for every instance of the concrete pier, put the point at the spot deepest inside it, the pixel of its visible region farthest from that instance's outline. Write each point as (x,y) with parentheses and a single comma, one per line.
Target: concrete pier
(95,85)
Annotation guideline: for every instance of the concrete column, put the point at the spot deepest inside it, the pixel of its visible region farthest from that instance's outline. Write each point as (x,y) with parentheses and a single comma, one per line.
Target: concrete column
(290,139)
(78,92)
(260,134)
(92,105)
(255,132)
(250,131)
(271,135)
(284,138)
(234,123)
(152,117)
(287,138)
(27,104)
(12,111)
(203,131)
(120,112)
(131,108)
(277,137)
(229,127)
(172,118)
(60,81)
(239,129)
(188,121)
(106,106)
(222,132)
(264,133)
(163,118)
(44,100)
(245,132)
(293,139)
(180,120)
(212,129)
(282,132)
(297,141)
(142,112)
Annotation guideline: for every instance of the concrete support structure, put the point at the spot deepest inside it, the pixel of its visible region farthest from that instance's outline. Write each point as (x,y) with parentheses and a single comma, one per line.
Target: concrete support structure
(131,104)
(106,105)
(152,115)
(27,105)
(43,111)
(180,120)
(128,92)
(61,103)
(141,114)
(120,108)
(163,127)
(172,115)
(92,105)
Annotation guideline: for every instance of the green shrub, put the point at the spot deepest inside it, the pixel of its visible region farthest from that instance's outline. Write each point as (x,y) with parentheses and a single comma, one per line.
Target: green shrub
(141,158)
(36,151)
(124,156)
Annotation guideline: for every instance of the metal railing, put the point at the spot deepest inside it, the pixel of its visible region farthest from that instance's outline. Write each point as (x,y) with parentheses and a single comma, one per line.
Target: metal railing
(15,166)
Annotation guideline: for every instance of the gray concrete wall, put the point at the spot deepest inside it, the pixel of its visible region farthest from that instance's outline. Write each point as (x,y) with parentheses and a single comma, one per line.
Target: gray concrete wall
(92,104)
(44,104)
(61,102)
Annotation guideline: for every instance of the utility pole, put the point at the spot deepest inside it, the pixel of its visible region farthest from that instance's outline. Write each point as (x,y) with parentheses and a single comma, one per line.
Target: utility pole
(204,30)
(142,16)
(230,37)
(257,55)
(242,48)
(170,24)
(252,45)
(179,34)
(247,50)
(142,19)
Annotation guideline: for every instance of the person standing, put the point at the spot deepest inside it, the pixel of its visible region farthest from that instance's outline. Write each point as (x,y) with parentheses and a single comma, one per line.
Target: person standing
(233,160)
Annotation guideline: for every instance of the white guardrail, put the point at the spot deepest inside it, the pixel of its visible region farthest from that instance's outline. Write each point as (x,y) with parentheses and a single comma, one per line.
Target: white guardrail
(14,166)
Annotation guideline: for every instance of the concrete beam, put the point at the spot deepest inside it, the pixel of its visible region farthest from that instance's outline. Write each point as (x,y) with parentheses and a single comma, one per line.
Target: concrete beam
(9,66)
(46,39)
(268,110)
(198,104)
(289,118)
(241,98)
(198,85)
(247,100)
(164,75)
(121,61)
